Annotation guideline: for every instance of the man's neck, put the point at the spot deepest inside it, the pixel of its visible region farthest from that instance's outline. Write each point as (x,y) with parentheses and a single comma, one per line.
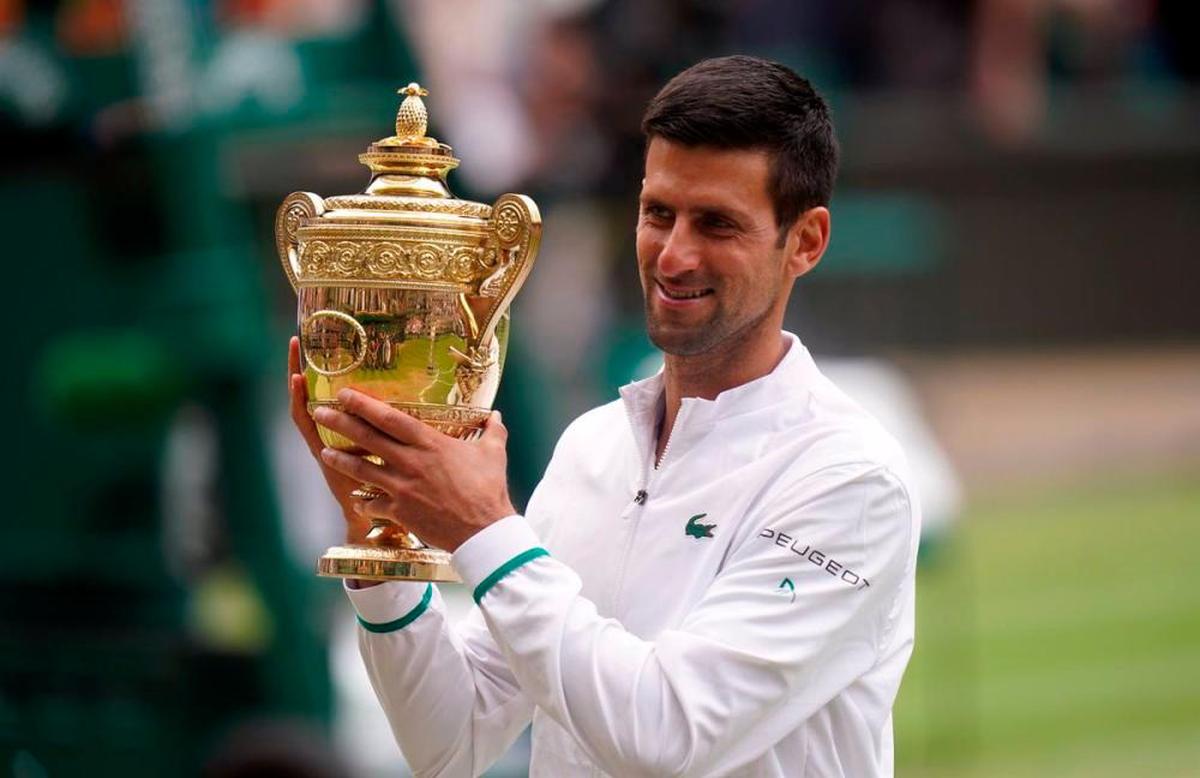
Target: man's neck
(707,375)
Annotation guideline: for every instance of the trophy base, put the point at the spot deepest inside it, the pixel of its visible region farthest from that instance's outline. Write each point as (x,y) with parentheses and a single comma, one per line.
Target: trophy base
(387,563)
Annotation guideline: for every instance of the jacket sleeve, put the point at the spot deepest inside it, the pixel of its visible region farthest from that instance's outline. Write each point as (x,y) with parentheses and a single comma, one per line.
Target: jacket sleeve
(747,665)
(452,703)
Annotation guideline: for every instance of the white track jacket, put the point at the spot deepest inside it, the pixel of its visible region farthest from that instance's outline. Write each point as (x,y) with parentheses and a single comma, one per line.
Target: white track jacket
(745,608)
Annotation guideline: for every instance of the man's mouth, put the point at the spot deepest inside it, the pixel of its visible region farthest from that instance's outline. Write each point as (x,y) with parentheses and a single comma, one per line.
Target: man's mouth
(681,294)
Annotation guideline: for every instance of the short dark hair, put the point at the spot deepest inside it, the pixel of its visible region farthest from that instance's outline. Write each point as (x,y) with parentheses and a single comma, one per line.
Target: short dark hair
(742,102)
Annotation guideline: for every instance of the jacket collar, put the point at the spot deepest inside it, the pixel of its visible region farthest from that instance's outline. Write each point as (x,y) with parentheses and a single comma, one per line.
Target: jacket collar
(789,382)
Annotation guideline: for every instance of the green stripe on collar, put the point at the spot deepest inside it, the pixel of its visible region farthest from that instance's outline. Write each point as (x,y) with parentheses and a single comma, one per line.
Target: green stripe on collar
(506,568)
(404,620)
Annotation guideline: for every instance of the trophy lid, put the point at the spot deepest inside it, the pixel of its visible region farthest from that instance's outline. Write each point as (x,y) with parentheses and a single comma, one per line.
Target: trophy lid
(409,163)
(406,229)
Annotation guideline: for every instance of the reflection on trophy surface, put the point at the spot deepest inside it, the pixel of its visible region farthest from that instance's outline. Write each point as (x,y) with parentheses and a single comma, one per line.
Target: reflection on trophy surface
(403,294)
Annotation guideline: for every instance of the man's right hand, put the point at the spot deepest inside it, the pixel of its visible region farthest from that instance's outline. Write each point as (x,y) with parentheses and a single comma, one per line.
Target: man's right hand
(339,485)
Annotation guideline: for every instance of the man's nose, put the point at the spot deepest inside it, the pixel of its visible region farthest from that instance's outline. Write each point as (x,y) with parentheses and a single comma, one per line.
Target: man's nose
(681,252)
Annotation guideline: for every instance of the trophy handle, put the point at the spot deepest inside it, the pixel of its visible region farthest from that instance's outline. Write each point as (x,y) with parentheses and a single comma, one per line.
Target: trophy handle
(296,209)
(516,226)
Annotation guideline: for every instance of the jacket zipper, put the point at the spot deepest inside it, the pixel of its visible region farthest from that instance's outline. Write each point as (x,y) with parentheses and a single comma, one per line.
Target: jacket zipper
(639,499)
(649,474)
(667,448)
(662,460)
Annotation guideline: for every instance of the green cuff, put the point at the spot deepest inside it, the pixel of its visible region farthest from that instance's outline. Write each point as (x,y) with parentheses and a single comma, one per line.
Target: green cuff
(404,620)
(525,556)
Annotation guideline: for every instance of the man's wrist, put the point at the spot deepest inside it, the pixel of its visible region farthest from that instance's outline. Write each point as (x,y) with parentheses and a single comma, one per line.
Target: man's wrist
(474,526)
(361,583)
(385,604)
(489,553)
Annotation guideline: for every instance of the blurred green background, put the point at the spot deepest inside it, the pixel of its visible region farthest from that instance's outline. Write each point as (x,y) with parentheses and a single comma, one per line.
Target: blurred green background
(1010,287)
(1057,636)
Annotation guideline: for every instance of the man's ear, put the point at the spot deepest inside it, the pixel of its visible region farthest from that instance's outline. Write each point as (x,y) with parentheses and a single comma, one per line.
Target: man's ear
(807,240)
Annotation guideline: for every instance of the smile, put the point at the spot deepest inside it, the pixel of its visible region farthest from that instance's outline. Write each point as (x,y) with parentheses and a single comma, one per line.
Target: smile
(681,294)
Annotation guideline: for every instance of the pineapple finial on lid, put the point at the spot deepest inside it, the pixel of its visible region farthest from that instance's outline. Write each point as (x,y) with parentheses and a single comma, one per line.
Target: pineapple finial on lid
(412,120)
(410,152)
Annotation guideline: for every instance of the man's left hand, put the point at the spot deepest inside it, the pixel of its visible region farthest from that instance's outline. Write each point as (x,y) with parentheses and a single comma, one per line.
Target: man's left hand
(443,489)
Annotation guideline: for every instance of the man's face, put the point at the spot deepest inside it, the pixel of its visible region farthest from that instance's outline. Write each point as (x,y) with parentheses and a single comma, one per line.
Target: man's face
(712,272)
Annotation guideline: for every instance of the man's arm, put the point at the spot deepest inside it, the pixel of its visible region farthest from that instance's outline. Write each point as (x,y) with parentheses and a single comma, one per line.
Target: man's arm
(453,705)
(745,668)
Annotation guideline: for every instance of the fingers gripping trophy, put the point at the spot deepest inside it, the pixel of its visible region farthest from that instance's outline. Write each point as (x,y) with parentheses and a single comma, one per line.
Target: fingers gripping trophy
(404,294)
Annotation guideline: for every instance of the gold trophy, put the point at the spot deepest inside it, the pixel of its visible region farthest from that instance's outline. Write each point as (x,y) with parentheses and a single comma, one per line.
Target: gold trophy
(403,294)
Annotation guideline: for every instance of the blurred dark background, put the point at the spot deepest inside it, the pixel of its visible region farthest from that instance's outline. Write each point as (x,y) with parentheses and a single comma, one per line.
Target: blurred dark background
(1011,280)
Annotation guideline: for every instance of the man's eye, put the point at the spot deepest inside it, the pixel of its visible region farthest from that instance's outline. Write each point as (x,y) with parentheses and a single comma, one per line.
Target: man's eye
(719,225)
(656,213)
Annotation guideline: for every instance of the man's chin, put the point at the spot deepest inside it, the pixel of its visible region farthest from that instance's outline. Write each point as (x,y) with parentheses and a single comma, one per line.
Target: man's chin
(679,342)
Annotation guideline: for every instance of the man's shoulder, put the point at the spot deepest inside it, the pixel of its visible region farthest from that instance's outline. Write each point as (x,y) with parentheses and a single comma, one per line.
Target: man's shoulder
(832,445)
(600,428)
(603,418)
(841,432)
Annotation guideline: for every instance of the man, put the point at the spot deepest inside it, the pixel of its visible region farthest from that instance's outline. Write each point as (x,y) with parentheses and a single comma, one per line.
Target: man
(715,575)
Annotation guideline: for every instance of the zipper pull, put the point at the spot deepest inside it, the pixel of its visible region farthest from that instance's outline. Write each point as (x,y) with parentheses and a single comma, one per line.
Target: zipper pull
(640,497)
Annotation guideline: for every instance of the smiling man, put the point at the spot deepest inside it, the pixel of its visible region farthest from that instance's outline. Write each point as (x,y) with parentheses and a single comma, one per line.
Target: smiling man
(715,575)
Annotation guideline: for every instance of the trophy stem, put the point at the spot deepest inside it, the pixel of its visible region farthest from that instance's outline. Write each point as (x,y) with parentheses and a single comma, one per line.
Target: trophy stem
(388,533)
(367,492)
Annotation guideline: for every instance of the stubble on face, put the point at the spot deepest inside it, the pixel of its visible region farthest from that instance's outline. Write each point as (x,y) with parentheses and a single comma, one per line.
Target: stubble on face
(722,331)
(712,208)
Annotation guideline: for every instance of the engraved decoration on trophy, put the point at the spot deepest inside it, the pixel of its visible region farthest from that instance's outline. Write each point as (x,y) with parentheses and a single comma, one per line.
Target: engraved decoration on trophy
(403,294)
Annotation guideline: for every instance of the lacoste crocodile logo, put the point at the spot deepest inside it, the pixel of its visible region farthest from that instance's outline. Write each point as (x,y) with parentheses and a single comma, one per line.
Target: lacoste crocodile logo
(697,530)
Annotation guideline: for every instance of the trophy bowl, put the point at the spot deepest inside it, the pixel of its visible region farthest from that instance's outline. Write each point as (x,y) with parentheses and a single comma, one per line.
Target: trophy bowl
(403,294)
